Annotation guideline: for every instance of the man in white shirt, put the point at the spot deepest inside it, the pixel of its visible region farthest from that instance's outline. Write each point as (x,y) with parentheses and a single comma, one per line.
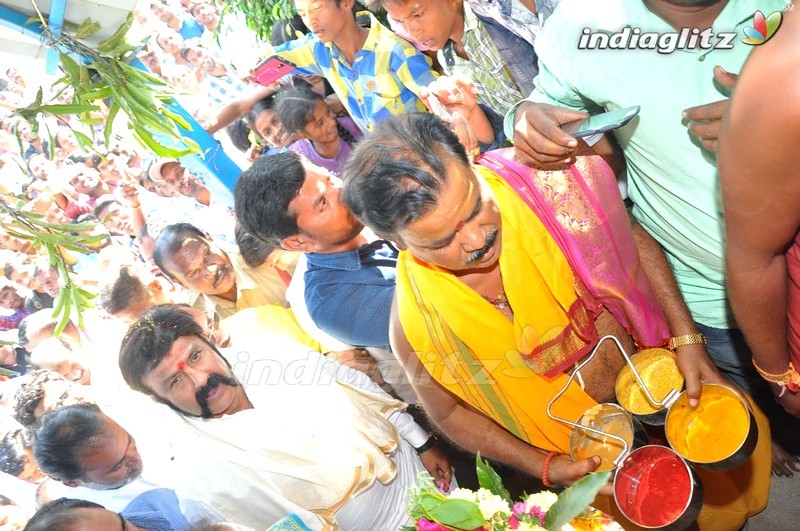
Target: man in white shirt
(308,437)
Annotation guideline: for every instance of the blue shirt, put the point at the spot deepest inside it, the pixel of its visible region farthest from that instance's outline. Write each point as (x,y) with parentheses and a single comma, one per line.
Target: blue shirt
(349,294)
(190,28)
(156,510)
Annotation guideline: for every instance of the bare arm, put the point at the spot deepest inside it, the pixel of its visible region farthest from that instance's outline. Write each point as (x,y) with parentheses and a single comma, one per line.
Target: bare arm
(761,195)
(238,107)
(693,360)
(471,429)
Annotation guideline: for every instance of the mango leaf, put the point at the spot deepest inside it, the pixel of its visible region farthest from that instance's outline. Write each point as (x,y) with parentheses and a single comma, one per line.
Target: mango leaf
(177,118)
(98,94)
(64,319)
(51,143)
(575,500)
(117,37)
(95,238)
(113,109)
(69,108)
(87,29)
(70,66)
(489,480)
(86,294)
(65,227)
(20,235)
(83,141)
(461,514)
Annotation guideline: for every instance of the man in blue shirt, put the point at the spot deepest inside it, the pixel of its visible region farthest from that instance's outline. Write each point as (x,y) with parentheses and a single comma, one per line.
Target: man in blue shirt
(290,202)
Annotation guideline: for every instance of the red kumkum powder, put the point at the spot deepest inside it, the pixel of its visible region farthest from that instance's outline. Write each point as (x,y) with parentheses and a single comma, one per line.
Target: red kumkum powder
(653,486)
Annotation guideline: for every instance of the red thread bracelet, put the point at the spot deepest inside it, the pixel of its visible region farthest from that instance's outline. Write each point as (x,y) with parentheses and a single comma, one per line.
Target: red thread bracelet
(546,469)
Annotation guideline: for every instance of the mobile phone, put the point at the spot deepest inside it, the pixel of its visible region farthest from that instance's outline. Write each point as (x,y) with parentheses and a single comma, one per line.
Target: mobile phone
(600,123)
(271,70)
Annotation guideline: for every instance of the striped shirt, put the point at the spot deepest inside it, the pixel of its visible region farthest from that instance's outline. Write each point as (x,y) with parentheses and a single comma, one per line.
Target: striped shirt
(497,88)
(9,322)
(383,80)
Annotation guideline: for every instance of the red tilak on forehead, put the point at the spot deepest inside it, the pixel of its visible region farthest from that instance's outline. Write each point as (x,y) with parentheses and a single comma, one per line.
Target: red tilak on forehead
(181,365)
(459,225)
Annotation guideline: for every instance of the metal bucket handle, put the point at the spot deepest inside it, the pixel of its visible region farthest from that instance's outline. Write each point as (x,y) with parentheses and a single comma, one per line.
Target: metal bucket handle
(668,400)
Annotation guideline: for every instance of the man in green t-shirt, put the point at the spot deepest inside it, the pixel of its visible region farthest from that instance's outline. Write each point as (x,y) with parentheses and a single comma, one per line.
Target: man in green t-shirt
(670,148)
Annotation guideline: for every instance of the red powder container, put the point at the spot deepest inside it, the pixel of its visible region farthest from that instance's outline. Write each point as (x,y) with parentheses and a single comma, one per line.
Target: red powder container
(656,489)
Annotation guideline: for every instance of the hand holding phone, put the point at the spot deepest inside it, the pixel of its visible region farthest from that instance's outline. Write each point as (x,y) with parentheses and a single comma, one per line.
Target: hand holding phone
(271,70)
(600,123)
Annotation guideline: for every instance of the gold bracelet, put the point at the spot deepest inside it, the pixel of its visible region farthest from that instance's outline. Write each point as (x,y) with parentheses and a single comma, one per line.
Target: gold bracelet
(688,339)
(787,380)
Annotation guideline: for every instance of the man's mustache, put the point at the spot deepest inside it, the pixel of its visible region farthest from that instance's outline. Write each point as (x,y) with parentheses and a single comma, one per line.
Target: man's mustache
(480,253)
(214,380)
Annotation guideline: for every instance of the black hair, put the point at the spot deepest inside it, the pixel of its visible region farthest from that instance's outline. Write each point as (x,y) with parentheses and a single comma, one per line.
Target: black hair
(193,6)
(57,142)
(169,243)
(30,394)
(395,174)
(184,51)
(149,340)
(287,30)
(59,515)
(296,106)
(77,158)
(83,218)
(22,332)
(104,201)
(262,195)
(64,436)
(264,104)
(29,158)
(122,291)
(239,133)
(90,160)
(8,269)
(13,457)
(253,250)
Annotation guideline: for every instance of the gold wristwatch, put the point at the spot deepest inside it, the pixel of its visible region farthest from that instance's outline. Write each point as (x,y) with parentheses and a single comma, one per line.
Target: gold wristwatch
(688,339)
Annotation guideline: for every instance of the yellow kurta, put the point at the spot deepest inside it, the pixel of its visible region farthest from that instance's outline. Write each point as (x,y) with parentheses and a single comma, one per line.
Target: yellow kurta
(472,350)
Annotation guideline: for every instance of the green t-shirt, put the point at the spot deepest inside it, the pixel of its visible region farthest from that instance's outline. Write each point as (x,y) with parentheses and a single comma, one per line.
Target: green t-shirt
(672,179)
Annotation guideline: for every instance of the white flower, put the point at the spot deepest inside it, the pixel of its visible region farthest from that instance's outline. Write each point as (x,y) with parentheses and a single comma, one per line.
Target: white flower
(463,494)
(491,504)
(543,500)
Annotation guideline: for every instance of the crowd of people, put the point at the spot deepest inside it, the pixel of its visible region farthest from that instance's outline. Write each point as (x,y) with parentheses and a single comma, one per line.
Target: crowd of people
(416,248)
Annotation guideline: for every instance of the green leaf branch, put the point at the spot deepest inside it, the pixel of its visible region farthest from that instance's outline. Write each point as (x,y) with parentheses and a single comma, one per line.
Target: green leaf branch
(105,74)
(50,239)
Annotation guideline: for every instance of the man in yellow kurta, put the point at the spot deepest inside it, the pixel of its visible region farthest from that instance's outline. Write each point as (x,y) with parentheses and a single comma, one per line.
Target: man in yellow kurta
(490,313)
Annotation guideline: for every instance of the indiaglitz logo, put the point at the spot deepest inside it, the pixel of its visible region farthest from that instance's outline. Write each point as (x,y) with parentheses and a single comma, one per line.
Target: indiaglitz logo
(763,28)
